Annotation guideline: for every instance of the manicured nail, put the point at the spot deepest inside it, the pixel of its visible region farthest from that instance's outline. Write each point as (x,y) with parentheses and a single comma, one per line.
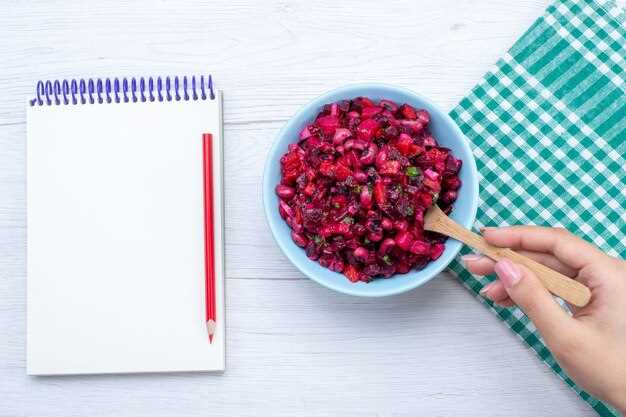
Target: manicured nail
(471,257)
(508,272)
(484,290)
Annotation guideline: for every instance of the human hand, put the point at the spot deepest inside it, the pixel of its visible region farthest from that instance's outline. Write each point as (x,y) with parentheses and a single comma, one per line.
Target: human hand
(591,344)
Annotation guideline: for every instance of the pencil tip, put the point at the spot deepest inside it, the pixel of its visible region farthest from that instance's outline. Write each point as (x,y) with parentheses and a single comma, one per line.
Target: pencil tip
(210,326)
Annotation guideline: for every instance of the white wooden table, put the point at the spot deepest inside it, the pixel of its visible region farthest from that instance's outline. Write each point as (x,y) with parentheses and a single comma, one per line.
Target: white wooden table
(294,348)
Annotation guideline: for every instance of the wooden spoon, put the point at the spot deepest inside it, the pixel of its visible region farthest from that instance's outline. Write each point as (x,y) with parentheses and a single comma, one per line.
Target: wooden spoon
(558,284)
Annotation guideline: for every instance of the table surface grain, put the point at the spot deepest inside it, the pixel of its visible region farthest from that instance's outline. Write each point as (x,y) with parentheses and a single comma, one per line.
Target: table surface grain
(294,348)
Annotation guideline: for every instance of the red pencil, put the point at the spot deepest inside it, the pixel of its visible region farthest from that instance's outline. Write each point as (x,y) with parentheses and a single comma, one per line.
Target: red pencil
(209,236)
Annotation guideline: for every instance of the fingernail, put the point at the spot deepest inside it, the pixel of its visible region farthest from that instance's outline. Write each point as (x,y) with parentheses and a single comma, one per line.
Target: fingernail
(508,273)
(484,229)
(471,257)
(484,290)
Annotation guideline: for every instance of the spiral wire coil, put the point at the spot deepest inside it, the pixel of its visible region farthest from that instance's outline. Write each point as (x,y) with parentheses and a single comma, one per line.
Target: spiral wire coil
(123,90)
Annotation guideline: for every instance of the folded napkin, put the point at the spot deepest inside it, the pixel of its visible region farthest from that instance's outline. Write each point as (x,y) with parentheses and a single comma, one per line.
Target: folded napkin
(548,130)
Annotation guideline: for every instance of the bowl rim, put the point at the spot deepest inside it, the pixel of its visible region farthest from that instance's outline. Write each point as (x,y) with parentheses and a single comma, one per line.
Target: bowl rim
(321,99)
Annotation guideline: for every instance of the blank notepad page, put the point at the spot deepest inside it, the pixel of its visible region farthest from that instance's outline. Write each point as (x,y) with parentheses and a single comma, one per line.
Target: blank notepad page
(116,238)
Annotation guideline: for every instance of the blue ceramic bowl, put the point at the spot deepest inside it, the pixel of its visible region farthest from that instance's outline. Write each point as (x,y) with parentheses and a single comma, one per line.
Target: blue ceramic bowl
(447,134)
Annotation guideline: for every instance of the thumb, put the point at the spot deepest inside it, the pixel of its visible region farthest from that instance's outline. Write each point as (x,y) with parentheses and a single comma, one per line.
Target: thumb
(525,289)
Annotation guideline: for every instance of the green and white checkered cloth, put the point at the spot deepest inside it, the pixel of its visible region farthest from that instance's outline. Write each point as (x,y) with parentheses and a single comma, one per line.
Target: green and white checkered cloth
(548,130)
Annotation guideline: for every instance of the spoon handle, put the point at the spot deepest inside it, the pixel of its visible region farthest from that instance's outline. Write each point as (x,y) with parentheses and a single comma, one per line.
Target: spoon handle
(558,284)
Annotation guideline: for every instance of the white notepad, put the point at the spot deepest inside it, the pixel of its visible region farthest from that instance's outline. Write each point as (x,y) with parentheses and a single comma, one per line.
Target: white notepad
(115,266)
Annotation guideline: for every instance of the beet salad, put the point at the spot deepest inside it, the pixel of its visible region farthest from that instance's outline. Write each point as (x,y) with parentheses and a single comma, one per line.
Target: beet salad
(356,184)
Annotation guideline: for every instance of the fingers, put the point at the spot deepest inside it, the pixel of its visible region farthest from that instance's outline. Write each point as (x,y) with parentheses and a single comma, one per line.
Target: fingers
(481,265)
(495,292)
(567,248)
(525,289)
(478,264)
(506,303)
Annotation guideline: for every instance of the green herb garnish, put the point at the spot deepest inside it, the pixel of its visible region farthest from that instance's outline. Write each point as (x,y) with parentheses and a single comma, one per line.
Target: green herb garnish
(412,172)
(410,211)
(336,205)
(348,220)
(366,241)
(387,259)
(317,239)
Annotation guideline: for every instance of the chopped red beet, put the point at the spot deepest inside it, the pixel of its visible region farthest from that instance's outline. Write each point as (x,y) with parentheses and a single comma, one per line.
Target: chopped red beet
(352,273)
(436,250)
(328,124)
(356,185)
(419,247)
(408,112)
(342,172)
(369,112)
(366,129)
(380,193)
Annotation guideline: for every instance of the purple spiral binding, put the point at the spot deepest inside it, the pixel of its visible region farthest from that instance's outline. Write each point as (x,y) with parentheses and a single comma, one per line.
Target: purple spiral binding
(107,90)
